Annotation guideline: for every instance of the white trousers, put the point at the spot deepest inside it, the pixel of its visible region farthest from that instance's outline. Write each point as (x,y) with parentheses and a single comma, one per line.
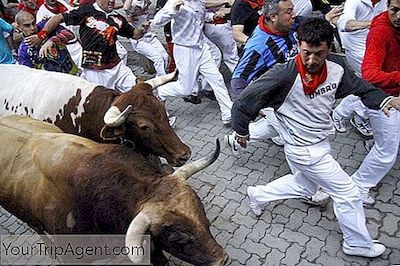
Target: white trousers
(348,105)
(75,50)
(383,154)
(119,77)
(190,61)
(152,48)
(122,52)
(264,128)
(222,36)
(314,167)
(217,56)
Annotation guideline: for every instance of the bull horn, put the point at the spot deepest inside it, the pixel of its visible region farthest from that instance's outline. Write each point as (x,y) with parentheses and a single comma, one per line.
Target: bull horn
(161,80)
(134,235)
(114,118)
(190,169)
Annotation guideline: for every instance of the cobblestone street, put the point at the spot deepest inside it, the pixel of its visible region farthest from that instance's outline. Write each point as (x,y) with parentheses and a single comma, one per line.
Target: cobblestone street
(288,232)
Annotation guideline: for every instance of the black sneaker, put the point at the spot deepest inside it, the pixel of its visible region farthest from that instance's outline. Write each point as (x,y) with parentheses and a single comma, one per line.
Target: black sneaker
(210,95)
(194,99)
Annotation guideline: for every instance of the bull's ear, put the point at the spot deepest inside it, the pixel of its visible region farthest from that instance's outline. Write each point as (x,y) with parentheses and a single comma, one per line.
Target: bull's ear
(112,133)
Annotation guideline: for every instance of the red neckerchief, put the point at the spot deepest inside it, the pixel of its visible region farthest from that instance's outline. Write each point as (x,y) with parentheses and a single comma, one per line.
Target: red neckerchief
(27,9)
(268,30)
(59,8)
(310,81)
(255,4)
(374,2)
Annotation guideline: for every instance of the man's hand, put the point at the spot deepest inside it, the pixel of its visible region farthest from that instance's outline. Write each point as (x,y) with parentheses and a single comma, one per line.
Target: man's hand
(177,5)
(48,49)
(146,25)
(33,40)
(222,12)
(138,33)
(333,15)
(242,140)
(14,54)
(393,103)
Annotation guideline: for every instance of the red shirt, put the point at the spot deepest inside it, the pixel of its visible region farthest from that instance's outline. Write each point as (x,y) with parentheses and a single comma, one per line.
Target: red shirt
(21,6)
(381,65)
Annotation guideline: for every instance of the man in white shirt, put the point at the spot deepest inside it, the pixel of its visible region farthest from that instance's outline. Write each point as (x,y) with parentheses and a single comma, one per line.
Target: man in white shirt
(191,52)
(353,28)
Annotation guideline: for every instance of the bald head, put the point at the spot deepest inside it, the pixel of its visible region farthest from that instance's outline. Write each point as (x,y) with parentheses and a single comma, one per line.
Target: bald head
(26,23)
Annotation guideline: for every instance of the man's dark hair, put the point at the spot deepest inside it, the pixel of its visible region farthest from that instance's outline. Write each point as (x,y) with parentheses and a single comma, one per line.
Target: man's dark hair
(314,31)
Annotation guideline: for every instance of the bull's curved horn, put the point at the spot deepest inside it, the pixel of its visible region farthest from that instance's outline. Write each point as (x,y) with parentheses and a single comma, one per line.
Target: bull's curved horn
(190,169)
(134,235)
(114,118)
(161,80)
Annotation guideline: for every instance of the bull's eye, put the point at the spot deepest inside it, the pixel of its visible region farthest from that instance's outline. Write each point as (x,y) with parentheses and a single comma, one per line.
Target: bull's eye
(145,127)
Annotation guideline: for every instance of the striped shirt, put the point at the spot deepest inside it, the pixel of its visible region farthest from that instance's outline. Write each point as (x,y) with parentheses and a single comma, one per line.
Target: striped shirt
(262,51)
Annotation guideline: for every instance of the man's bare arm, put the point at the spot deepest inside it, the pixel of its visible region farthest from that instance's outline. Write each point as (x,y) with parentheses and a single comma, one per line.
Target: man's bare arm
(238,34)
(352,25)
(216,3)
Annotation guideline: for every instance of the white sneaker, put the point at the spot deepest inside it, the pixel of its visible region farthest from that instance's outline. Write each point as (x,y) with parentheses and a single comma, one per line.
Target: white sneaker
(319,199)
(252,203)
(171,120)
(362,125)
(339,123)
(376,250)
(367,199)
(233,145)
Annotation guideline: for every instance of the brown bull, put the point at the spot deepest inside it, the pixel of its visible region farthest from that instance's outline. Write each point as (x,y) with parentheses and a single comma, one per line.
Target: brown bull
(91,111)
(60,183)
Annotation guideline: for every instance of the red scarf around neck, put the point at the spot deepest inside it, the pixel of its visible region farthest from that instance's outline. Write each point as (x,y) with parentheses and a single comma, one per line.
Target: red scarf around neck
(374,2)
(59,8)
(264,28)
(310,81)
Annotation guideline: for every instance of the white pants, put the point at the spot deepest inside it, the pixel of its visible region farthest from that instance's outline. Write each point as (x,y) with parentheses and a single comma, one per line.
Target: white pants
(264,128)
(122,52)
(222,36)
(193,60)
(217,56)
(383,154)
(119,77)
(348,105)
(151,47)
(314,167)
(75,50)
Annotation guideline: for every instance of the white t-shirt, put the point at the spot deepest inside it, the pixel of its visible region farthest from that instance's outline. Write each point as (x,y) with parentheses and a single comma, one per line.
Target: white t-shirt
(354,41)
